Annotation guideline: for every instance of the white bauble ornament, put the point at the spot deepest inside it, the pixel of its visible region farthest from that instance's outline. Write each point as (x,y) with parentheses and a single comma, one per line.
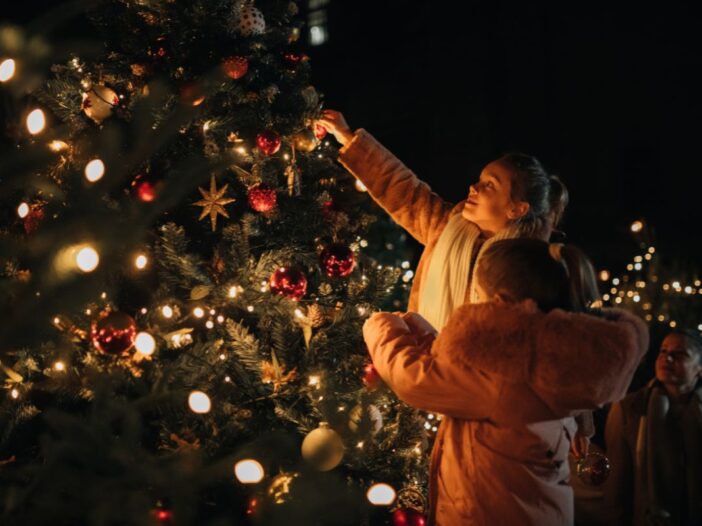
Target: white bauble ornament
(374,414)
(99,102)
(323,448)
(250,22)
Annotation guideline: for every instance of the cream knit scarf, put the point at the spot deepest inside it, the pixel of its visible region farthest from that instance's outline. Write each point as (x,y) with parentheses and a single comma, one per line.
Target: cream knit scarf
(448,282)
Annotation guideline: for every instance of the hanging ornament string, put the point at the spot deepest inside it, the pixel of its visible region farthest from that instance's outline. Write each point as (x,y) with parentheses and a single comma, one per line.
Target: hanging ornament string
(293,174)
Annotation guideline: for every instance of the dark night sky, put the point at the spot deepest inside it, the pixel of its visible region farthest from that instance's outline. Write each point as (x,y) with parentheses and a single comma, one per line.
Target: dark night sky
(608,98)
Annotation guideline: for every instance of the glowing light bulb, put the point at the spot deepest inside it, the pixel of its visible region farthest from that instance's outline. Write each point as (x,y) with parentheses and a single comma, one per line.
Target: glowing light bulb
(140,261)
(14,394)
(166,311)
(23,210)
(145,344)
(60,366)
(199,402)
(94,170)
(209,324)
(314,380)
(7,69)
(248,471)
(58,146)
(636,226)
(381,494)
(233,292)
(87,259)
(198,312)
(36,122)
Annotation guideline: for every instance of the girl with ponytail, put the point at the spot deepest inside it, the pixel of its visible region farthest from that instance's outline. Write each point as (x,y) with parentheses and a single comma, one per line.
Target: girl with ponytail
(514,197)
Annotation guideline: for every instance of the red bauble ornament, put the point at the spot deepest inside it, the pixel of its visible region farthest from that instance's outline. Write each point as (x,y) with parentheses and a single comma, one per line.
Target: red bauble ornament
(320,131)
(163,517)
(113,332)
(408,517)
(289,282)
(146,187)
(33,219)
(262,198)
(371,378)
(235,67)
(338,260)
(594,469)
(268,142)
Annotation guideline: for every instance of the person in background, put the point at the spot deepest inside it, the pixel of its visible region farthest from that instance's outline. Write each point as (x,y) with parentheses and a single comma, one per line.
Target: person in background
(654,442)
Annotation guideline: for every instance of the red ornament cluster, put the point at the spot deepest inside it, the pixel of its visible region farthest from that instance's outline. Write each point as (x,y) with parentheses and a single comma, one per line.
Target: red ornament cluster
(235,67)
(113,332)
(262,198)
(338,260)
(289,282)
(408,517)
(268,142)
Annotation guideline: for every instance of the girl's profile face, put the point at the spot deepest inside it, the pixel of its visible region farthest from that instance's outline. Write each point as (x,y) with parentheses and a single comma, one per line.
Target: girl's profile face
(489,204)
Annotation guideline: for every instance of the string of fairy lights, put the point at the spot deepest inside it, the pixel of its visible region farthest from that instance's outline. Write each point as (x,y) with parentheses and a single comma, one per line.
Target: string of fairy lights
(84,257)
(635,287)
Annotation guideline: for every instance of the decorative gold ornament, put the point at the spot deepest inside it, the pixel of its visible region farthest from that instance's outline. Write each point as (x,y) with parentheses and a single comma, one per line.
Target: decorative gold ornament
(213,202)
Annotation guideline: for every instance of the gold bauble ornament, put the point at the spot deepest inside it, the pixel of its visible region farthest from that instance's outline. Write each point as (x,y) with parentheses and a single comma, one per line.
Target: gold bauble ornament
(99,102)
(305,140)
(323,448)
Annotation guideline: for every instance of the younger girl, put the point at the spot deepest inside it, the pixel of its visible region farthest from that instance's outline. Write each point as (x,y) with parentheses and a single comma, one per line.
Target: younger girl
(508,373)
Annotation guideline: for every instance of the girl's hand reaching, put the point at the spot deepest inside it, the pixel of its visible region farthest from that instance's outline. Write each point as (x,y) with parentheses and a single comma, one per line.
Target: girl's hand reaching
(335,123)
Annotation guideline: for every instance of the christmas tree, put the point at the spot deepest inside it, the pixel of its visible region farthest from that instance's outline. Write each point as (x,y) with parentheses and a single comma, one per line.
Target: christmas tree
(186,271)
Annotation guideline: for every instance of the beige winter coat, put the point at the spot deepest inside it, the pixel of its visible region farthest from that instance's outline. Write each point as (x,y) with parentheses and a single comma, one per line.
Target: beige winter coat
(408,200)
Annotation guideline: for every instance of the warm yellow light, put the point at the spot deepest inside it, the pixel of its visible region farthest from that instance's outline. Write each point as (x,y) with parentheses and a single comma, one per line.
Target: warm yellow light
(7,69)
(94,170)
(248,471)
(14,394)
(59,366)
(87,259)
(381,494)
(673,324)
(145,344)
(58,146)
(199,402)
(314,380)
(166,311)
(360,186)
(140,261)
(209,324)
(36,121)
(198,312)
(23,210)
(636,226)
(233,292)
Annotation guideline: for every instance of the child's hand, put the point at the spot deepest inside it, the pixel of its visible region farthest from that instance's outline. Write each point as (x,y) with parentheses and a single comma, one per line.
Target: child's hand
(579,446)
(335,123)
(418,325)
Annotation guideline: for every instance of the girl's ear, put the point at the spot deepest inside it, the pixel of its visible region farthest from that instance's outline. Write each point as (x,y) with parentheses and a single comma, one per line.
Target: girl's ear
(517,210)
(502,297)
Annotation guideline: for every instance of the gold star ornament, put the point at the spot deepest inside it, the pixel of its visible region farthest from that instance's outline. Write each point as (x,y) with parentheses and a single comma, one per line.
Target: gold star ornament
(213,202)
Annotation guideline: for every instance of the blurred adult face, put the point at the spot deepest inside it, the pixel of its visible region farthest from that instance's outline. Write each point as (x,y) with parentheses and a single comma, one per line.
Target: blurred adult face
(489,203)
(678,363)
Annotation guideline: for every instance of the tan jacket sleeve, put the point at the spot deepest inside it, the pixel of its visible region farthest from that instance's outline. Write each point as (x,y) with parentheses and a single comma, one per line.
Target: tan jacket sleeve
(619,488)
(409,201)
(422,380)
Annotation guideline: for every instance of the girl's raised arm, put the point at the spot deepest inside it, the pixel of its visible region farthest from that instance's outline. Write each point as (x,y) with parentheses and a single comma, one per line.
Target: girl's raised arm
(408,200)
